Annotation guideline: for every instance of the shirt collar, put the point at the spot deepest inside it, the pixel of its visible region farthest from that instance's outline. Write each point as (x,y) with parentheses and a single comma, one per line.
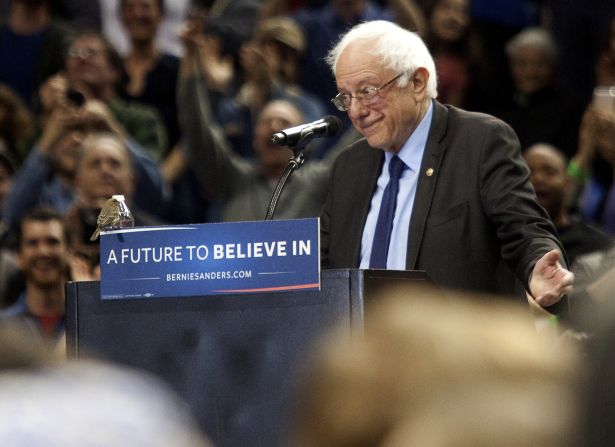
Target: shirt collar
(412,151)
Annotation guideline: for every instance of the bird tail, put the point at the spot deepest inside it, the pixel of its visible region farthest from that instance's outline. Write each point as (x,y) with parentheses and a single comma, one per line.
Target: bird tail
(95,235)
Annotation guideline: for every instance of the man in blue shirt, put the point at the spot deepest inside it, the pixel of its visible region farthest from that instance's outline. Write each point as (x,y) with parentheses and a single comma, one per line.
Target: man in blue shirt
(43,258)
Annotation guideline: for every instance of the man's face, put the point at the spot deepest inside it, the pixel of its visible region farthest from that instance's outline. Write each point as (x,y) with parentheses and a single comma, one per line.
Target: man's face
(104,170)
(277,115)
(548,177)
(43,253)
(65,151)
(450,19)
(88,62)
(141,18)
(389,122)
(532,69)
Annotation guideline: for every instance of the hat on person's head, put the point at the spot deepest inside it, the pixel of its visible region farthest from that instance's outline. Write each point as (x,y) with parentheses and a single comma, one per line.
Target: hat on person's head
(283,30)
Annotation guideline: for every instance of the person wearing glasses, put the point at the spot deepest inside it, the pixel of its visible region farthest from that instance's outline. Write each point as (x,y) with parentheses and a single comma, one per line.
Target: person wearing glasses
(431,187)
(86,94)
(91,75)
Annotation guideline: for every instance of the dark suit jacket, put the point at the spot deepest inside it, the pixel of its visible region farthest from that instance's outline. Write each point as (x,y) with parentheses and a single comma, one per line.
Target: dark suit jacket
(474,205)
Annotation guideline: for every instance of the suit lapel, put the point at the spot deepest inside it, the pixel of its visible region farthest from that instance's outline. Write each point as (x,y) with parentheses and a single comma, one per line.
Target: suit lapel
(428,175)
(365,177)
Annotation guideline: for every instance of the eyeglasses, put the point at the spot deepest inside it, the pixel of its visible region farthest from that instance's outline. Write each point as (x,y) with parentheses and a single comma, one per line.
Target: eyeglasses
(367,97)
(84,53)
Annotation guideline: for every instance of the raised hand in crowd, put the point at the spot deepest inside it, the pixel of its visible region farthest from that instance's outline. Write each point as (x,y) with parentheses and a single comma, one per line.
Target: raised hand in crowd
(206,52)
(597,133)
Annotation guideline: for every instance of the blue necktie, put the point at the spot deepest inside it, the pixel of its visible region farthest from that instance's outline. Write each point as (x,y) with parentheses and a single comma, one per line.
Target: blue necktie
(384,224)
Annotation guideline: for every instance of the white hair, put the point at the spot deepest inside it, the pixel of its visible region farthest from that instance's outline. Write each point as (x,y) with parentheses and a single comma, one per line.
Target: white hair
(399,49)
(535,37)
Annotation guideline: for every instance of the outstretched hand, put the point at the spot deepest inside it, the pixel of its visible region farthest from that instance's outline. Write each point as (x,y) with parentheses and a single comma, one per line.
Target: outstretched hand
(550,281)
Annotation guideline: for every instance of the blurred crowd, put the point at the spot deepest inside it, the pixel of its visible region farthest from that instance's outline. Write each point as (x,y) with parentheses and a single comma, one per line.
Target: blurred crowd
(172,104)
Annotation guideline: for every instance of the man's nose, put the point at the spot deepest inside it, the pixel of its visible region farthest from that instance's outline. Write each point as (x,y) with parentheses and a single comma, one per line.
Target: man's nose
(44,249)
(357,109)
(537,178)
(108,168)
(140,13)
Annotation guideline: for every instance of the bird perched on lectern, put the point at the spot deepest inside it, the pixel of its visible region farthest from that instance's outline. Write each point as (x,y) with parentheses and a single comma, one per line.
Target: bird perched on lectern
(114,214)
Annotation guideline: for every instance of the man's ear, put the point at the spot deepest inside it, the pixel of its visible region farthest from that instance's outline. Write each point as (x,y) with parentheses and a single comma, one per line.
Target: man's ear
(419,81)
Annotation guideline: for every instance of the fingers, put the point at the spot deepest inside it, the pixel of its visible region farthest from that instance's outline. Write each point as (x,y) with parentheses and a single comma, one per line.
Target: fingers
(550,281)
(550,259)
(191,32)
(53,92)
(97,117)
(548,299)
(562,286)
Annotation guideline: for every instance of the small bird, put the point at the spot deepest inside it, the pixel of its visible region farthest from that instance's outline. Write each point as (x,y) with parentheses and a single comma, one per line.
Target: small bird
(113,213)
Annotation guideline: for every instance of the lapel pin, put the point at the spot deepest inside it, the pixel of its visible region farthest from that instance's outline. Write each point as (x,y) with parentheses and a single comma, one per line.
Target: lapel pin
(429,172)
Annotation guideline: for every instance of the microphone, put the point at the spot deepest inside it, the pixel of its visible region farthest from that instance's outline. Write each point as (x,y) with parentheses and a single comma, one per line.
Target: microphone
(327,126)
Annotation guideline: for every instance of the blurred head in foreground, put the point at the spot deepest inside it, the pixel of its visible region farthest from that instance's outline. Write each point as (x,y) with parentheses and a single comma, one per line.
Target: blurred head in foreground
(48,401)
(437,374)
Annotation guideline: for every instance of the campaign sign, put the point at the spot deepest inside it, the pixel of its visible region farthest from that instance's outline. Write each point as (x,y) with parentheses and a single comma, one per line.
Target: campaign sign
(210,259)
